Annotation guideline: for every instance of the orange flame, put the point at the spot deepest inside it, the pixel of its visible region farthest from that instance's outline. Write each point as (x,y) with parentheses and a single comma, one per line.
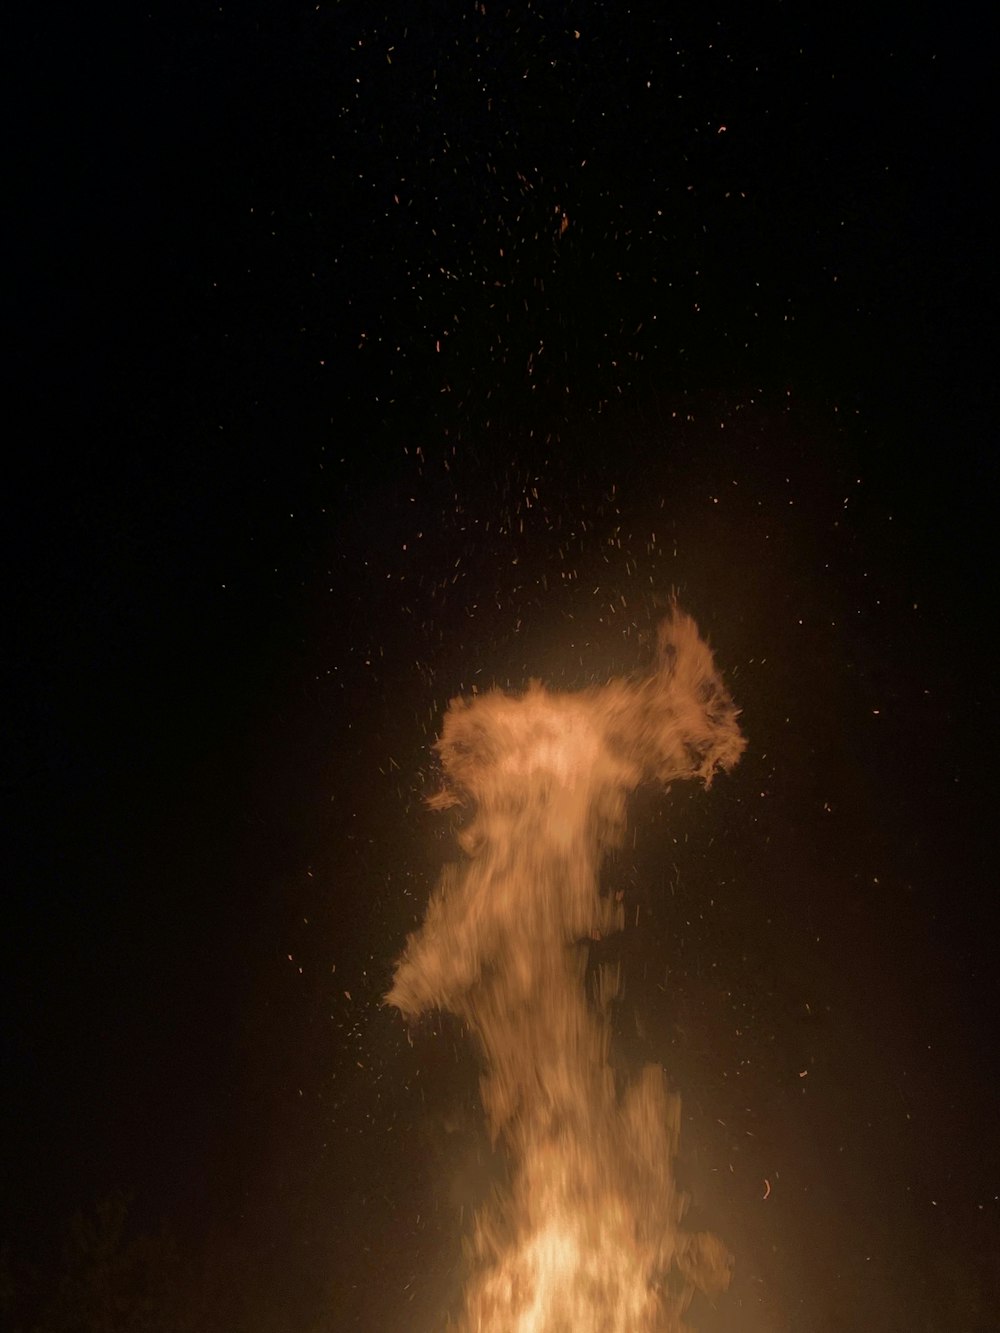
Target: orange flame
(589,1239)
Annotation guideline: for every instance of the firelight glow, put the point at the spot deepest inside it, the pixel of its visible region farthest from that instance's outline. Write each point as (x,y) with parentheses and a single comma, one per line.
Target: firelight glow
(589,1238)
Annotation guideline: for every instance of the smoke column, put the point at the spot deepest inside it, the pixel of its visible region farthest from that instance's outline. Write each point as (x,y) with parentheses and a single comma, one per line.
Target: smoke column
(588,1238)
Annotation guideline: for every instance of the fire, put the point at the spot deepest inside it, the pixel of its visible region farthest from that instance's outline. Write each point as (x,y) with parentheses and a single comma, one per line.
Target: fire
(590,1237)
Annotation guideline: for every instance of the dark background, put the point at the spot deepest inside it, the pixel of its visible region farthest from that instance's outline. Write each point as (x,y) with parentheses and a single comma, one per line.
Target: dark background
(364,354)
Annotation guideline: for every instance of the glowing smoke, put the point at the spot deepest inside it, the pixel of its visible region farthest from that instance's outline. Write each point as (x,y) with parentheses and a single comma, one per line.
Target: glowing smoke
(589,1239)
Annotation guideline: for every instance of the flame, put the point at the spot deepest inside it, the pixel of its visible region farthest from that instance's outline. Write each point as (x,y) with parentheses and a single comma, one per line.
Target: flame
(589,1238)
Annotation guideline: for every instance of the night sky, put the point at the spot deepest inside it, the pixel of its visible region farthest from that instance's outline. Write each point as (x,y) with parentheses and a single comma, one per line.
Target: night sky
(367,354)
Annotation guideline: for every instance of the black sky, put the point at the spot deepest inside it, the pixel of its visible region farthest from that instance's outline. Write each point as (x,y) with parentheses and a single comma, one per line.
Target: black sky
(365,354)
